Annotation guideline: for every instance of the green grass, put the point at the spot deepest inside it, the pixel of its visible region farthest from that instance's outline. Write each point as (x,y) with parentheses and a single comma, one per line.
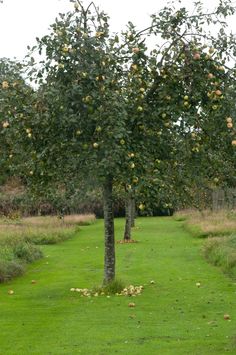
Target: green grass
(19,239)
(172,316)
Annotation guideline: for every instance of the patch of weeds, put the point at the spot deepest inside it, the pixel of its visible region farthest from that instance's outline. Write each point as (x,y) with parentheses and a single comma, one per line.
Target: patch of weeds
(50,237)
(14,256)
(221,251)
(113,287)
(10,266)
(10,269)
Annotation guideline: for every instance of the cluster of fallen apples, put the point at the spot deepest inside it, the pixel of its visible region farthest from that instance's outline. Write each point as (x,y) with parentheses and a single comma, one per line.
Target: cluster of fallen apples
(132,291)
(126,241)
(127,291)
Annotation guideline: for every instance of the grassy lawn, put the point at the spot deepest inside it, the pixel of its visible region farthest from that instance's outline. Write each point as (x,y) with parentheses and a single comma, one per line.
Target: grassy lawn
(172,316)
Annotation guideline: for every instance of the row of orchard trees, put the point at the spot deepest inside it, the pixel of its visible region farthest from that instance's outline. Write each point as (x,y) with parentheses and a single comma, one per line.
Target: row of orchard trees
(109,108)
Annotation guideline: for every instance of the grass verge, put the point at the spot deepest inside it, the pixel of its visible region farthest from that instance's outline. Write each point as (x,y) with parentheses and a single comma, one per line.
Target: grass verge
(208,223)
(221,251)
(220,230)
(20,240)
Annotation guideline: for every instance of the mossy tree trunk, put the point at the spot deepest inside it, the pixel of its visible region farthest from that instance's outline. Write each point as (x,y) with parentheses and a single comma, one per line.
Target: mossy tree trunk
(133,212)
(129,216)
(109,259)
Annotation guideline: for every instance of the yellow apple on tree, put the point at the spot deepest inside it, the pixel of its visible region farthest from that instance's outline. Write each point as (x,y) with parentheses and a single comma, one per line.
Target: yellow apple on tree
(65,49)
(131,155)
(197,56)
(5,85)
(210,76)
(98,129)
(135,50)
(221,68)
(134,66)
(141,206)
(5,124)
(218,92)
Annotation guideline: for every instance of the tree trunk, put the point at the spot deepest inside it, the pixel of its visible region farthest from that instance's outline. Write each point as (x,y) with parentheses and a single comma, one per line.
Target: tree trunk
(133,212)
(109,260)
(128,217)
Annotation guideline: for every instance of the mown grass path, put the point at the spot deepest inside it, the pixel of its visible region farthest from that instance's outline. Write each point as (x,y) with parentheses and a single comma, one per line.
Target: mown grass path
(172,316)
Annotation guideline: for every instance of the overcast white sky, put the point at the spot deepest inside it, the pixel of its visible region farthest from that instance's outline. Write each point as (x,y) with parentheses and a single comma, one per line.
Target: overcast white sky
(23,20)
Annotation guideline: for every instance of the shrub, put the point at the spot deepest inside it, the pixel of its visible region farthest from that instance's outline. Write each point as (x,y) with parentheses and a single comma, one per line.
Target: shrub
(10,269)
(14,256)
(10,266)
(27,252)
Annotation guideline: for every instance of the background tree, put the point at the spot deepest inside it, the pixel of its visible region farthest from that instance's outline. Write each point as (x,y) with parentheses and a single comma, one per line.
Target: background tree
(17,99)
(180,90)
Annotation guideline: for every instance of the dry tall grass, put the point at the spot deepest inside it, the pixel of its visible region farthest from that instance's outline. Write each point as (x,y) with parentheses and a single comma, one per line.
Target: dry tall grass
(208,222)
(42,230)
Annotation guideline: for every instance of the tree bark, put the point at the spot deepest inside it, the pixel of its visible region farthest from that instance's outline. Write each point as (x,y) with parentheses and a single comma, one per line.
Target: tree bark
(109,259)
(128,217)
(133,212)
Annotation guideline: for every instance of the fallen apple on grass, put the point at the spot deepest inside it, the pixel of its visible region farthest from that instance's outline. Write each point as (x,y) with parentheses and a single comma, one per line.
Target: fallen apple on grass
(226,317)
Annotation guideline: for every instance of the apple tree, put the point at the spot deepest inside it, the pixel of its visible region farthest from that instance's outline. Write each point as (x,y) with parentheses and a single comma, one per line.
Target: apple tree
(17,102)
(107,108)
(184,99)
